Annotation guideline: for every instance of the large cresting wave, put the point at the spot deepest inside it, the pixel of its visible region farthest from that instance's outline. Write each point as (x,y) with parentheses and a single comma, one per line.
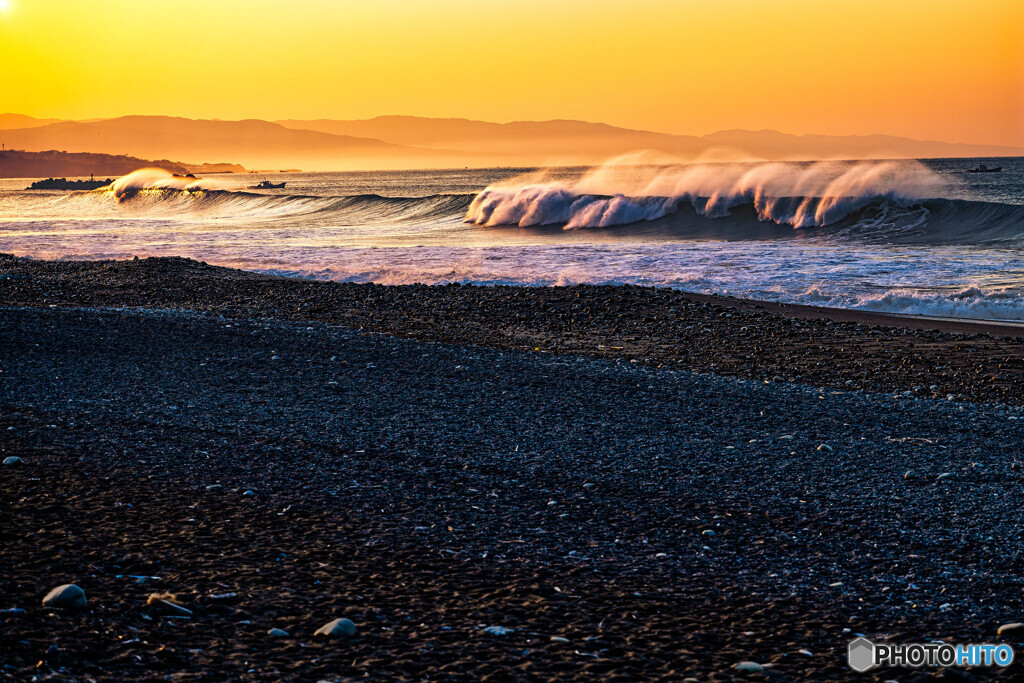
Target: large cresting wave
(622,192)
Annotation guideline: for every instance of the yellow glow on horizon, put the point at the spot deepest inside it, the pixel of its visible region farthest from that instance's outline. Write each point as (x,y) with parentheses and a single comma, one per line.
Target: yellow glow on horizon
(930,69)
(5,6)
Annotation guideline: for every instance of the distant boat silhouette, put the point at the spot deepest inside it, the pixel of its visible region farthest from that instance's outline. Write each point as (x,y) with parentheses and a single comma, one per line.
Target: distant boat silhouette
(982,168)
(267,185)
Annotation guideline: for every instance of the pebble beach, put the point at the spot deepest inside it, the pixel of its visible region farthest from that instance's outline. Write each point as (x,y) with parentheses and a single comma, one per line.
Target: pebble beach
(485,483)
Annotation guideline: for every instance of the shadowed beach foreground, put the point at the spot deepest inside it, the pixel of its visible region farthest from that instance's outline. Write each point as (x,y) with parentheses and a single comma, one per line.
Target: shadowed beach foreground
(248,449)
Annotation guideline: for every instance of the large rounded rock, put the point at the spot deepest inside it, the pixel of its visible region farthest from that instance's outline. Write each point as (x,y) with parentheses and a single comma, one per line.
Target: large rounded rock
(339,628)
(68,596)
(12,460)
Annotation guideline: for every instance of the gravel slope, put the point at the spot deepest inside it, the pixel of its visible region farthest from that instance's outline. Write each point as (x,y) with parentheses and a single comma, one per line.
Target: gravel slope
(430,490)
(657,327)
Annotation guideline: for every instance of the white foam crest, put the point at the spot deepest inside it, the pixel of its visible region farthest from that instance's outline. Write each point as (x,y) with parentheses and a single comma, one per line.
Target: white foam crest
(622,191)
(158,179)
(972,302)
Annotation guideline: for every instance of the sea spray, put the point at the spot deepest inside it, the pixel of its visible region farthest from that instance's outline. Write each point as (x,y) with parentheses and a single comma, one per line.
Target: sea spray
(158,179)
(622,192)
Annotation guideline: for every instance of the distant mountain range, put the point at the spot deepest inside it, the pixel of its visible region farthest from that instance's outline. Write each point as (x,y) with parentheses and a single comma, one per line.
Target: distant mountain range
(415,142)
(575,141)
(21,121)
(252,143)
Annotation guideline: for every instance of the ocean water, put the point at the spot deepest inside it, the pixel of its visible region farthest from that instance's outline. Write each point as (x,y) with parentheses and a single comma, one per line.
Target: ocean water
(921,237)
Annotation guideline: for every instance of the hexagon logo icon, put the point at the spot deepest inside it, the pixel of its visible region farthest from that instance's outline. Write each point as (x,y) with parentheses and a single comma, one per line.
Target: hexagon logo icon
(861,655)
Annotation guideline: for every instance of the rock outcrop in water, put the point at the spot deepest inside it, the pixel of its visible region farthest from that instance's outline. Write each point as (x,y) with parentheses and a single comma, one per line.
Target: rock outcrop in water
(65,184)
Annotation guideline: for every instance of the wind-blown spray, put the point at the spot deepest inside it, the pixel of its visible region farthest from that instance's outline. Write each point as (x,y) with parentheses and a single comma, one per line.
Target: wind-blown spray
(622,191)
(157,179)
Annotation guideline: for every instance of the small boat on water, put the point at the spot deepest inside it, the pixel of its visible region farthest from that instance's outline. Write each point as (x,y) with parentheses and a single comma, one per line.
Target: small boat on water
(982,168)
(267,185)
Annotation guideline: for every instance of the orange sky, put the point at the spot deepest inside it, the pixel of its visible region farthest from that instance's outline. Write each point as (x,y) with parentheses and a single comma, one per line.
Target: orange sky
(934,69)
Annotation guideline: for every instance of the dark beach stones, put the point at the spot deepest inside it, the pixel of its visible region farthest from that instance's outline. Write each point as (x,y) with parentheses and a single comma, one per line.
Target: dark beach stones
(339,628)
(68,596)
(12,460)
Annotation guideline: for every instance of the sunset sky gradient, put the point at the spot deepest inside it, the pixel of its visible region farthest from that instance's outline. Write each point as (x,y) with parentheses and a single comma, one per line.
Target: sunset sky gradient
(932,69)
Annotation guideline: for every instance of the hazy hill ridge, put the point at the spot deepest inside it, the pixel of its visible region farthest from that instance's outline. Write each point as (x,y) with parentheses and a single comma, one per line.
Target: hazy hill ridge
(54,164)
(416,142)
(252,143)
(21,121)
(19,164)
(595,141)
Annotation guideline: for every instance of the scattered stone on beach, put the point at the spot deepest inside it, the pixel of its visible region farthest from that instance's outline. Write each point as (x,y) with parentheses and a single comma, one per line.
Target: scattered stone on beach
(12,460)
(708,532)
(945,475)
(559,639)
(1015,628)
(223,597)
(910,474)
(825,448)
(249,493)
(749,667)
(67,596)
(339,628)
(497,630)
(169,603)
(278,633)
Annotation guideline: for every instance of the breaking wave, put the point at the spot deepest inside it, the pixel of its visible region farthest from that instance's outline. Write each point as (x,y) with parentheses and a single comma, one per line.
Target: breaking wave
(155,180)
(891,201)
(619,192)
(156,193)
